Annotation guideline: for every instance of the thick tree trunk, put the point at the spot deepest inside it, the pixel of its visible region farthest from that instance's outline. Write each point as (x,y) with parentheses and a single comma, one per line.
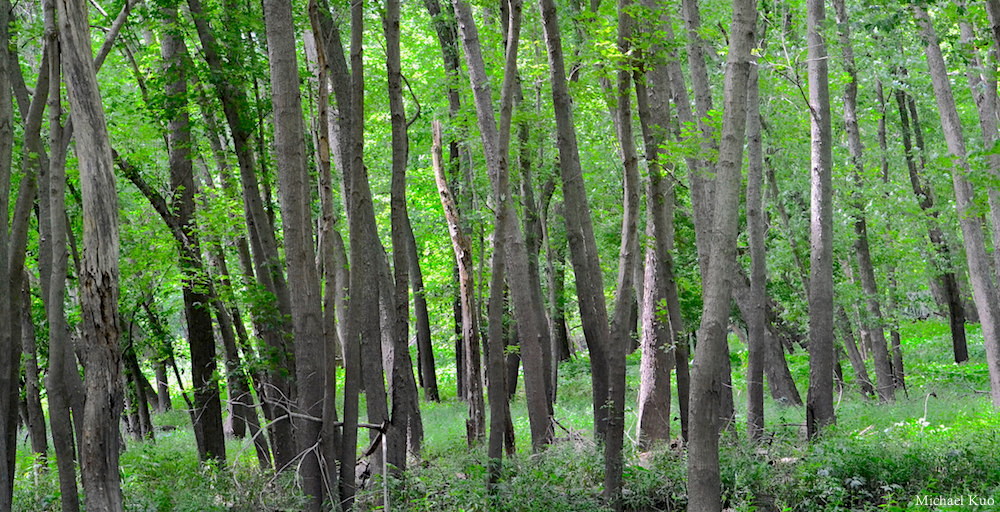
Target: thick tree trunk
(99,277)
(704,482)
(296,219)
(980,272)
(819,406)
(526,295)
(873,320)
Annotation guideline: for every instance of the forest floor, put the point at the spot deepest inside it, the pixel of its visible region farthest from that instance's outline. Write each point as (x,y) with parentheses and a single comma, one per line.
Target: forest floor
(936,448)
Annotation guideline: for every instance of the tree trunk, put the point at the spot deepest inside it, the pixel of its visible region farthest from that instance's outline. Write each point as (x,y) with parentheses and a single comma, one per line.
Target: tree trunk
(99,277)
(984,93)
(660,329)
(873,318)
(425,349)
(704,482)
(62,361)
(857,362)
(405,402)
(526,296)
(475,425)
(208,417)
(756,227)
(10,350)
(925,197)
(980,271)
(280,392)
(496,381)
(579,227)
(32,385)
(819,406)
(296,219)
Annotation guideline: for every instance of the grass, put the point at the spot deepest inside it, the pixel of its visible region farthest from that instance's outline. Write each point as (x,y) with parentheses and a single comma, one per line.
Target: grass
(939,440)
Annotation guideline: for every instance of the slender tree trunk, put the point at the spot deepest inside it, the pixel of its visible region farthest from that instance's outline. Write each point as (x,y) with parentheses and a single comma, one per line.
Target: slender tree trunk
(32,385)
(475,425)
(425,349)
(756,227)
(279,392)
(704,483)
(405,402)
(99,277)
(526,296)
(208,417)
(873,318)
(984,93)
(579,227)
(329,440)
(819,406)
(925,197)
(62,362)
(857,361)
(980,272)
(660,329)
(496,381)
(10,349)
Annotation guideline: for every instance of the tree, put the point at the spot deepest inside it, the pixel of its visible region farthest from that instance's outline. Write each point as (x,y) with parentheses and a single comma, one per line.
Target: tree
(980,272)
(704,484)
(819,406)
(873,319)
(99,278)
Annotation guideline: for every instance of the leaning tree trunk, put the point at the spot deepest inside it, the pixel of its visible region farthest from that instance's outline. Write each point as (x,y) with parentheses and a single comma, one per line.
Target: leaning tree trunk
(819,406)
(925,197)
(579,227)
(475,425)
(99,278)
(526,295)
(704,482)
(980,272)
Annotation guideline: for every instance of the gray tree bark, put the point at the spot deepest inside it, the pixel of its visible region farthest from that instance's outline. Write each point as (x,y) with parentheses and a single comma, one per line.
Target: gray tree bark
(296,219)
(526,296)
(99,277)
(756,320)
(704,482)
(980,273)
(873,319)
(579,227)
(819,404)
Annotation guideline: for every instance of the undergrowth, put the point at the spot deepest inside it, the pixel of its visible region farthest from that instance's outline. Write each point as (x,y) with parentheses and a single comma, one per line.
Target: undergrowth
(941,438)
